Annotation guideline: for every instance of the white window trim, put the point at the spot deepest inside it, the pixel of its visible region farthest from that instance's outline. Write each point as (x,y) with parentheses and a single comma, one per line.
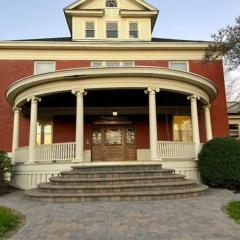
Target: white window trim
(95,29)
(36,62)
(104,63)
(129,30)
(118,30)
(182,61)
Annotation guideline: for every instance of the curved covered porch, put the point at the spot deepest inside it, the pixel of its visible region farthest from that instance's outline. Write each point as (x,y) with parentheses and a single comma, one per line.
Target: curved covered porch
(154,82)
(146,97)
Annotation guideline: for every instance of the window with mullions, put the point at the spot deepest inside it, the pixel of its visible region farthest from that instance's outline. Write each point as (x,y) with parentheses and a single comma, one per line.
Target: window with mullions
(182,129)
(133,30)
(90,30)
(111,3)
(44,131)
(112,30)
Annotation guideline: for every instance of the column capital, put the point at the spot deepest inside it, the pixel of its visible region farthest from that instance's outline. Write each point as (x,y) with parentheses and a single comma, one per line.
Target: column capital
(15,109)
(79,92)
(34,99)
(193,97)
(208,106)
(152,90)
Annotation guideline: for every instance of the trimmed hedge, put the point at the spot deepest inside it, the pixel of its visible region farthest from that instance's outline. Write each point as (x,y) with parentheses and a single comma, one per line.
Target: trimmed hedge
(219,163)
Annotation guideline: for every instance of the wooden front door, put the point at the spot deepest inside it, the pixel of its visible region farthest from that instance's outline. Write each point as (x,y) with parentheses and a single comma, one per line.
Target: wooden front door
(113,143)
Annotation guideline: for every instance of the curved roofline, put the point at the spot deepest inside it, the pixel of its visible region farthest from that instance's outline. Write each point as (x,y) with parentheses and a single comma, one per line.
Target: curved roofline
(77,74)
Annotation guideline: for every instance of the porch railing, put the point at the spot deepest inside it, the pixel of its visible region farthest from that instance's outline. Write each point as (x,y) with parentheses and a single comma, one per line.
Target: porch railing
(176,150)
(55,152)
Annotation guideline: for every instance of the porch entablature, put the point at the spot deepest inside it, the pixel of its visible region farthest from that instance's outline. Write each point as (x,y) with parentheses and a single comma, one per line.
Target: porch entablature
(111,78)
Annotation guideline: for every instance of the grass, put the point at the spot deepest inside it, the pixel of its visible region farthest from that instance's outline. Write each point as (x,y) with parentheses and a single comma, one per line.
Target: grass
(10,221)
(233,210)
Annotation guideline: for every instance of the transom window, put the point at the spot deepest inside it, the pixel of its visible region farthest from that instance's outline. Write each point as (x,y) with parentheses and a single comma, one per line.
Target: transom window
(41,67)
(111,3)
(133,30)
(179,65)
(112,30)
(90,30)
(100,64)
(44,131)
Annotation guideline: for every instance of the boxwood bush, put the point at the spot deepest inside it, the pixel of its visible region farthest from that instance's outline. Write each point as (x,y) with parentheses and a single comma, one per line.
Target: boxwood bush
(5,166)
(219,163)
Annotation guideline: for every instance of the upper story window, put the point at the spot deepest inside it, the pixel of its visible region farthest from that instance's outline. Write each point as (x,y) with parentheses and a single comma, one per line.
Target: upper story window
(44,67)
(111,3)
(179,65)
(99,64)
(133,30)
(90,30)
(112,30)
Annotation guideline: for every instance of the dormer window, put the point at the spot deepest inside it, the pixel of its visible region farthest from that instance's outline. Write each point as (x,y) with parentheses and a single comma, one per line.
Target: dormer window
(133,30)
(90,30)
(112,30)
(111,3)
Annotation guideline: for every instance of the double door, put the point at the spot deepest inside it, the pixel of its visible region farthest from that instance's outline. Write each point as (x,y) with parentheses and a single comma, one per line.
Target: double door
(113,143)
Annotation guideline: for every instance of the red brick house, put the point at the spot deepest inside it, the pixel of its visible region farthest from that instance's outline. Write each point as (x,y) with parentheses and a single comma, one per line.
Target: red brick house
(110,92)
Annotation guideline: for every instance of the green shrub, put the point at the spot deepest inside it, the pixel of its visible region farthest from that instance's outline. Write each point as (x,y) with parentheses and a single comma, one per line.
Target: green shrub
(233,210)
(219,163)
(5,166)
(9,221)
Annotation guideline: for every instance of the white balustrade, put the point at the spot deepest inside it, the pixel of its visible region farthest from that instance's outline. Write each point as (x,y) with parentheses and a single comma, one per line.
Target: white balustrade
(55,152)
(176,150)
(21,154)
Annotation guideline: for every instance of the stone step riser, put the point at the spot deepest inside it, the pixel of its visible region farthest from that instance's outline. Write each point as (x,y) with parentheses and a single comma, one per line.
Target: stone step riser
(116,198)
(117,168)
(117,190)
(90,183)
(114,175)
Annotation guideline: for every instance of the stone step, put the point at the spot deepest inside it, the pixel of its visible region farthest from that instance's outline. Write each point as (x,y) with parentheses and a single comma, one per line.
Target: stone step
(112,174)
(47,187)
(118,167)
(115,180)
(35,194)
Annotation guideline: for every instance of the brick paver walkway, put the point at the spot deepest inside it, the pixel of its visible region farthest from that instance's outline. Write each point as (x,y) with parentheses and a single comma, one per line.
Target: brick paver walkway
(187,219)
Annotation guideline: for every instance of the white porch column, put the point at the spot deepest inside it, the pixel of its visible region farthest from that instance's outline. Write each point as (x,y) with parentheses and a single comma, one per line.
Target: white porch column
(79,124)
(153,122)
(195,125)
(33,128)
(15,137)
(208,123)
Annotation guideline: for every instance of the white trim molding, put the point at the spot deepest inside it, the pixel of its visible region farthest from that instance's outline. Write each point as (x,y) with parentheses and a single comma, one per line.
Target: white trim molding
(120,78)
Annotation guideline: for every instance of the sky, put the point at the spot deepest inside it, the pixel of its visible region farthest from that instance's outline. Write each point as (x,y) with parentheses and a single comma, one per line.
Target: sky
(185,19)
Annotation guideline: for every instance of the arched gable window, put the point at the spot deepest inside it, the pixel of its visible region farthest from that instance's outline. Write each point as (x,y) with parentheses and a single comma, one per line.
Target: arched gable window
(111,3)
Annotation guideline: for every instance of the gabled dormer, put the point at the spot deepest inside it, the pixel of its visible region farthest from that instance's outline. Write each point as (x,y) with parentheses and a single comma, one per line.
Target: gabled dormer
(111,20)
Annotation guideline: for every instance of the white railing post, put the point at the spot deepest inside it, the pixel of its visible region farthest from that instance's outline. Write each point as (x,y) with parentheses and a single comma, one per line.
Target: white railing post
(79,124)
(33,128)
(15,139)
(153,122)
(195,125)
(208,123)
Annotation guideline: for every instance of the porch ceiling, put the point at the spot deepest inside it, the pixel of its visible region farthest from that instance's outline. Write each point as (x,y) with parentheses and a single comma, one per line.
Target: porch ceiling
(111,78)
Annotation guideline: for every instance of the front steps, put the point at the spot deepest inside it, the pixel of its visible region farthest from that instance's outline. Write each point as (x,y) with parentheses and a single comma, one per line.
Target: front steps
(132,182)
